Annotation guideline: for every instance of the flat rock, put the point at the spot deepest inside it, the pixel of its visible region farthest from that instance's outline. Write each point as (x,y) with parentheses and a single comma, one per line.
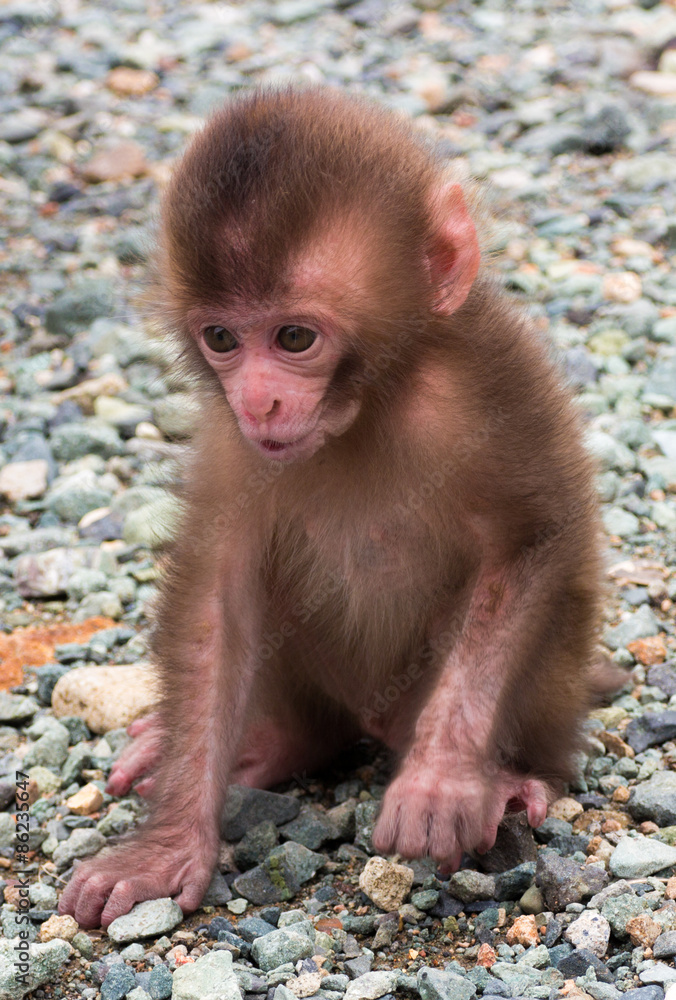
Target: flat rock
(655,799)
(590,931)
(44,962)
(247,807)
(564,881)
(24,480)
(372,986)
(152,918)
(437,984)
(286,944)
(650,729)
(639,625)
(280,876)
(46,574)
(211,977)
(15,708)
(106,697)
(637,857)
(126,159)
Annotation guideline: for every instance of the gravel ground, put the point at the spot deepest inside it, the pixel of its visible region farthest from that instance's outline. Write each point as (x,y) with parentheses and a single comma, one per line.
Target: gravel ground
(567,112)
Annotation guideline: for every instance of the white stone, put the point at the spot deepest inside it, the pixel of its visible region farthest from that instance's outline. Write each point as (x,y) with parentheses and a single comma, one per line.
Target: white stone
(386,883)
(590,931)
(106,697)
(24,480)
(636,857)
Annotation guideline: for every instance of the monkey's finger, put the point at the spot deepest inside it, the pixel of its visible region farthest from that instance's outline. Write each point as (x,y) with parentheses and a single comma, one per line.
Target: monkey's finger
(145,787)
(193,892)
(143,724)
(450,866)
(86,899)
(125,893)
(536,802)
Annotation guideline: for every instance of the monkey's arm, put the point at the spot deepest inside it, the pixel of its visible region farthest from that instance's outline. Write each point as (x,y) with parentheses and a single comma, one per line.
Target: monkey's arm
(504,710)
(203,644)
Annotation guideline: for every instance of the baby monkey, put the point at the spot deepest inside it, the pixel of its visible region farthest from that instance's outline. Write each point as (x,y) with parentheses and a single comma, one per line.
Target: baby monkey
(389,525)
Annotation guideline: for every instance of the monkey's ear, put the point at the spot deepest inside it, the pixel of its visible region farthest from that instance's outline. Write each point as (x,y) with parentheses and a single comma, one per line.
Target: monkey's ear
(454,255)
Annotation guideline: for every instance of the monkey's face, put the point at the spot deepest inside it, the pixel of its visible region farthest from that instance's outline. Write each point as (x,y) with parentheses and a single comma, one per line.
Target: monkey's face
(275,366)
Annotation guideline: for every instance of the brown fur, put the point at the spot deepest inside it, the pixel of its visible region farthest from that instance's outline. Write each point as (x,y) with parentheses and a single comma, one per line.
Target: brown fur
(455,517)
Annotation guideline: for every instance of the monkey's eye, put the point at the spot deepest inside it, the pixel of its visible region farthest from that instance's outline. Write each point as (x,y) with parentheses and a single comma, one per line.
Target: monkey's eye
(219,339)
(296,338)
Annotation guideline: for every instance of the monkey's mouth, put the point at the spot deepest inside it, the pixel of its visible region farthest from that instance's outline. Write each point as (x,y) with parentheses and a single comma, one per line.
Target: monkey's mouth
(269,445)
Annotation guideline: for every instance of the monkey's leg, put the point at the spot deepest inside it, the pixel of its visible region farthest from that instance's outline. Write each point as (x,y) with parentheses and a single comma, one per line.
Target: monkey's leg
(272,750)
(500,718)
(293,729)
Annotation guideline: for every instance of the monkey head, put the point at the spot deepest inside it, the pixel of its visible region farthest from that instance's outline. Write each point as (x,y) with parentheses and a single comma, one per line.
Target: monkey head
(302,268)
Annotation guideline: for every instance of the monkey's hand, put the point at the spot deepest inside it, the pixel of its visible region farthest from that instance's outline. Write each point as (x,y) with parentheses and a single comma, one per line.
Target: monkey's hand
(139,758)
(165,862)
(439,806)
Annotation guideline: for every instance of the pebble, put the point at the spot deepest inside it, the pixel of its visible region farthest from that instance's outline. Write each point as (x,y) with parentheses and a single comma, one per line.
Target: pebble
(149,919)
(211,977)
(372,986)
(80,844)
(655,799)
(435,984)
(636,857)
(247,807)
(285,944)
(591,932)
(386,883)
(105,697)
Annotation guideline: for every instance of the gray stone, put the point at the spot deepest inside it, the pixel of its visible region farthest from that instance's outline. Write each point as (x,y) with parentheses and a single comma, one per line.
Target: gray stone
(311,828)
(620,522)
(281,875)
(76,309)
(469,885)
(639,625)
(365,816)
(149,919)
(659,973)
(650,729)
(645,993)
(513,883)
(251,928)
(564,881)
(16,708)
(247,807)
(50,750)
(81,844)
(655,799)
(285,944)
(211,977)
(160,983)
(665,946)
(43,961)
(75,440)
(636,857)
(619,910)
(372,986)
(436,984)
(218,893)
(256,844)
(46,574)
(118,982)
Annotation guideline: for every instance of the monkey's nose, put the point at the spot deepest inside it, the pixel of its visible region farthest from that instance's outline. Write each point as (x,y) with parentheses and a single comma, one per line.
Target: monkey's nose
(261,410)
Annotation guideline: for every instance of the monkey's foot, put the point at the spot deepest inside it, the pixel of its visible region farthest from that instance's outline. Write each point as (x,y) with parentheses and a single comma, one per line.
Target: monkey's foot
(269,754)
(141,757)
(165,862)
(438,808)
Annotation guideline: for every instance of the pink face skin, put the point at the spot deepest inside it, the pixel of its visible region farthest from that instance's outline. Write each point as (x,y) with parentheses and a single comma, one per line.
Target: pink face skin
(277,395)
